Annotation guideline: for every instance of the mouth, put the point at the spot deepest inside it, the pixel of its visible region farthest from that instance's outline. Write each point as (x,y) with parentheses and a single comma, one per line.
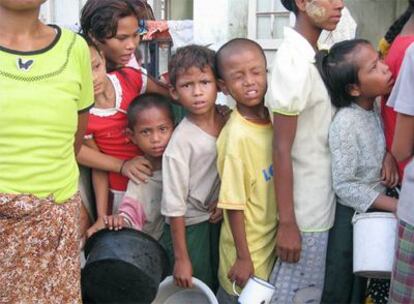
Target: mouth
(336,18)
(199,104)
(251,94)
(125,58)
(158,150)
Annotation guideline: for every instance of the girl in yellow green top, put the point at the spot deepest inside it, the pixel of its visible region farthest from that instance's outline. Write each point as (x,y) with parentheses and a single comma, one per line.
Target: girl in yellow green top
(45,92)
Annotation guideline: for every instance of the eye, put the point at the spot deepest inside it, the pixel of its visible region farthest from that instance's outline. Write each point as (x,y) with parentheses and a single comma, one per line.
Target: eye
(144,132)
(205,82)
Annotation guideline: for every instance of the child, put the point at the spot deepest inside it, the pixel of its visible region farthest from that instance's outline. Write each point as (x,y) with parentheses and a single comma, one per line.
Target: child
(107,124)
(244,163)
(402,286)
(400,36)
(46,91)
(355,77)
(150,126)
(112,25)
(302,113)
(190,179)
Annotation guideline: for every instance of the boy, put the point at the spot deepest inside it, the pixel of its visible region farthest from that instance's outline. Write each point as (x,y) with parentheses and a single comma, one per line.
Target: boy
(150,126)
(190,179)
(245,168)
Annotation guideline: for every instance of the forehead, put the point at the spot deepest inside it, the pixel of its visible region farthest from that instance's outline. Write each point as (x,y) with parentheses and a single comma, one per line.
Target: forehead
(127,25)
(365,55)
(152,115)
(194,72)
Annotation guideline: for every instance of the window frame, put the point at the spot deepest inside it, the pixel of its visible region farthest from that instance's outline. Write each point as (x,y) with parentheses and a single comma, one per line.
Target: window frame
(267,44)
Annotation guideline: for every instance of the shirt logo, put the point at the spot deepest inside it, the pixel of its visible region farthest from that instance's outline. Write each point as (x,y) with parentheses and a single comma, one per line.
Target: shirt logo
(268,173)
(24,65)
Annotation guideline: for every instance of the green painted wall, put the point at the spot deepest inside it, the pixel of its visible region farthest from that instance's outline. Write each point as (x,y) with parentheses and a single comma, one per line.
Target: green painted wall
(181,9)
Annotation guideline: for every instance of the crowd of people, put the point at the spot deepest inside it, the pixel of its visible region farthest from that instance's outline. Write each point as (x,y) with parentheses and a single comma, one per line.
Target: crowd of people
(267,189)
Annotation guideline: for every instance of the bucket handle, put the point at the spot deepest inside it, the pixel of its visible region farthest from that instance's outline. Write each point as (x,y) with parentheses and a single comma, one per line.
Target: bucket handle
(354,217)
(234,289)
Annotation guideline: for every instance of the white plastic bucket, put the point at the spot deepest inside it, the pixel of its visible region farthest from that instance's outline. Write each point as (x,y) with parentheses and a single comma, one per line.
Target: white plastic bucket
(169,293)
(374,244)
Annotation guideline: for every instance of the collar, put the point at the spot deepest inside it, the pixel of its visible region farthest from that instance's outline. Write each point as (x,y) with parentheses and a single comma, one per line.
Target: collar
(299,43)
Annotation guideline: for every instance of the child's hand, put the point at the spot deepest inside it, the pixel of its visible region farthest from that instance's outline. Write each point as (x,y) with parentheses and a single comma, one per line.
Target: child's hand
(241,271)
(98,225)
(114,222)
(183,273)
(389,171)
(288,243)
(216,214)
(138,169)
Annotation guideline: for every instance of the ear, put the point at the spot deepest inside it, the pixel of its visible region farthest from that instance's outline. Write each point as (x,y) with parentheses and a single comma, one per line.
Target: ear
(174,93)
(222,87)
(353,90)
(130,135)
(301,4)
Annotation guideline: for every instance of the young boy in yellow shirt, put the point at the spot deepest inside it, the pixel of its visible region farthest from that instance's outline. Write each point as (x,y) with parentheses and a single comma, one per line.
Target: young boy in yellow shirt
(244,161)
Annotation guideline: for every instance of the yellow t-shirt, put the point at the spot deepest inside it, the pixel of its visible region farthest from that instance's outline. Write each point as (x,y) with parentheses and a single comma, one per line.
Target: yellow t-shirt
(41,94)
(244,164)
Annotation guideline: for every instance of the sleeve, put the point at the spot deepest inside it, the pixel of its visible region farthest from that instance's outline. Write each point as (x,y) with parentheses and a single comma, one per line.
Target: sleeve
(348,187)
(401,98)
(175,184)
(235,183)
(289,85)
(86,84)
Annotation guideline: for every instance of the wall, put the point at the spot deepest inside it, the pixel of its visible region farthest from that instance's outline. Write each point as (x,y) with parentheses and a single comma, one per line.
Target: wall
(181,9)
(375,16)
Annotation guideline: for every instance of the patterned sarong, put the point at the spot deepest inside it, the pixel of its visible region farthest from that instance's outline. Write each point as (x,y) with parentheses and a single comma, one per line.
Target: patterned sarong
(402,281)
(39,250)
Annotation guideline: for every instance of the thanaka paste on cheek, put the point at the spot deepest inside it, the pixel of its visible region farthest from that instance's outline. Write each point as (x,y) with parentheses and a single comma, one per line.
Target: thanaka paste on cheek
(315,10)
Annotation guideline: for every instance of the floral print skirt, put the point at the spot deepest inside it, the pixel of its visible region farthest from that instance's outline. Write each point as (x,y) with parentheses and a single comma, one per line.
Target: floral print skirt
(39,250)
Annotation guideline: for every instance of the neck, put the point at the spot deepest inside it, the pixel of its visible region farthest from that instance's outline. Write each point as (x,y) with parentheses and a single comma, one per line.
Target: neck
(209,122)
(408,28)
(155,162)
(307,30)
(366,103)
(19,23)
(106,99)
(257,114)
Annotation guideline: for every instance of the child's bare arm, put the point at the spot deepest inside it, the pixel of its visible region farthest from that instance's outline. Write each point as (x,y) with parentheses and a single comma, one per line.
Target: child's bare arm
(137,169)
(101,188)
(288,239)
(183,270)
(154,86)
(242,268)
(403,144)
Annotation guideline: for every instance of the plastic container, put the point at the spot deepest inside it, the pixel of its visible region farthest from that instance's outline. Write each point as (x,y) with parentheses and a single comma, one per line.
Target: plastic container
(374,244)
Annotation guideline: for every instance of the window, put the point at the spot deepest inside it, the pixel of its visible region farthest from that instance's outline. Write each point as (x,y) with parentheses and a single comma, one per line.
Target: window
(266,21)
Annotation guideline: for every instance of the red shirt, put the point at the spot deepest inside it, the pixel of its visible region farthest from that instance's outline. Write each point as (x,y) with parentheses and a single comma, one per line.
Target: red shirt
(394,61)
(108,126)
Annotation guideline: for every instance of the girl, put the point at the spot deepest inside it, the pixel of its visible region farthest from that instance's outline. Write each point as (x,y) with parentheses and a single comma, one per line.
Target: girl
(399,37)
(402,285)
(302,114)
(355,77)
(107,125)
(46,90)
(150,126)
(113,26)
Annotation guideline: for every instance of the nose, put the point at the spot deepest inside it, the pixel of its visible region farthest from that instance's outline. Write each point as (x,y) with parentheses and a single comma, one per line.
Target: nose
(197,91)
(384,67)
(339,4)
(155,137)
(131,44)
(248,79)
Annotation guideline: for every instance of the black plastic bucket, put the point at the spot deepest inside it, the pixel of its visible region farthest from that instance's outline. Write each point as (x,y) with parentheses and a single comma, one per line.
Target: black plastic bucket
(123,266)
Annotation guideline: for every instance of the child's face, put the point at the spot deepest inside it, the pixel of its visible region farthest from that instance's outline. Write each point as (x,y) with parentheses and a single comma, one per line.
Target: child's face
(196,90)
(244,76)
(119,49)
(324,13)
(98,71)
(374,76)
(152,131)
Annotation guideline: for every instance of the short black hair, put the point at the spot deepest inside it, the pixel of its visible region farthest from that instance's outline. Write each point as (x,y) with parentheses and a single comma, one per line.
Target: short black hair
(339,70)
(233,45)
(190,56)
(146,101)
